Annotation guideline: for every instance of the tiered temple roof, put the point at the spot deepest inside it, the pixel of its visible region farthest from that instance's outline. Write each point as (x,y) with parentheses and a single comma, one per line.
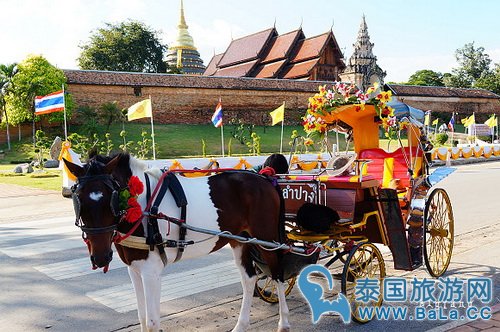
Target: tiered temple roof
(266,54)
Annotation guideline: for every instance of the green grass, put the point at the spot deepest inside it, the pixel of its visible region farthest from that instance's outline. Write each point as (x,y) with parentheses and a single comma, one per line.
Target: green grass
(49,180)
(186,140)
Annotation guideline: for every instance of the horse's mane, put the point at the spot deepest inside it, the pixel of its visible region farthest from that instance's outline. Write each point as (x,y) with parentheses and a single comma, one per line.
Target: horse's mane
(97,162)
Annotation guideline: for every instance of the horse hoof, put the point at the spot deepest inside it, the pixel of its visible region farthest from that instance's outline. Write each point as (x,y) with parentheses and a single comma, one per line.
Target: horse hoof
(284,329)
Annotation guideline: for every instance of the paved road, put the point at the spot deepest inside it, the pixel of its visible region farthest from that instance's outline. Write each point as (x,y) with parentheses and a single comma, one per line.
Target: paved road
(47,284)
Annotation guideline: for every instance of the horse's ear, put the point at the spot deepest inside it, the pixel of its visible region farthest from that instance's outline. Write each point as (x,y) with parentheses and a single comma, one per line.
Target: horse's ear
(74,169)
(111,165)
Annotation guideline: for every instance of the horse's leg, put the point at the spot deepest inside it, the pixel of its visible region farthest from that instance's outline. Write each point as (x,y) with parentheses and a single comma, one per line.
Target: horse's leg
(151,280)
(139,294)
(283,324)
(244,264)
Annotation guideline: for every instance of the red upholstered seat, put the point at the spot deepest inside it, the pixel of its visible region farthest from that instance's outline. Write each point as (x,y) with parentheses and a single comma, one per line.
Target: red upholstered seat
(386,166)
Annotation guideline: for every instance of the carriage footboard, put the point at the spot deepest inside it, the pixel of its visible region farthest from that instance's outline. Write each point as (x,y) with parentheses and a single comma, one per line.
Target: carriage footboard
(396,231)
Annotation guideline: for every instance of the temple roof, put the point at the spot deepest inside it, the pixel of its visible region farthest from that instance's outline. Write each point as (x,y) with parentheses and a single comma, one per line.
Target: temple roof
(266,54)
(439,91)
(269,70)
(246,48)
(212,65)
(301,69)
(239,70)
(281,46)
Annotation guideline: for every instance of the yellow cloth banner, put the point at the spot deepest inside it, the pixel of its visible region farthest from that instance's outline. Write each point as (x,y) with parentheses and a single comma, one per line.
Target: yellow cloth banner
(427,120)
(140,110)
(278,114)
(492,121)
(435,122)
(470,120)
(66,155)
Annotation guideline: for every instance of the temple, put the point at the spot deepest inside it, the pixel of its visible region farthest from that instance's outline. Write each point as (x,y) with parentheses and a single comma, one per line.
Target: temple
(182,53)
(266,54)
(362,68)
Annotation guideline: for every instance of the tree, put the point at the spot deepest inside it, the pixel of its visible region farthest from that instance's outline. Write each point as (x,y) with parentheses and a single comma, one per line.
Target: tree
(109,113)
(35,77)
(426,77)
(473,65)
(491,82)
(7,73)
(127,46)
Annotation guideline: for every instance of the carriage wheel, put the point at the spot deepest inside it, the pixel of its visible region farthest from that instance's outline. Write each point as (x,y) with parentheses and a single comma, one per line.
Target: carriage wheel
(265,287)
(438,235)
(364,261)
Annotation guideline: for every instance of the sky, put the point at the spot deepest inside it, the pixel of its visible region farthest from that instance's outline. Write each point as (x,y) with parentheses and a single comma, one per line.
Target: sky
(409,35)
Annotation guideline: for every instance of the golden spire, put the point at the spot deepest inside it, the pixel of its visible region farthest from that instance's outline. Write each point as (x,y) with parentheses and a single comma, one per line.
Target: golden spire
(182,20)
(184,39)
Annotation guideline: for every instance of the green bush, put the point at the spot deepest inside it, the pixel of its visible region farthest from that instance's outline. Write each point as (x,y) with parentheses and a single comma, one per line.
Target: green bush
(441,138)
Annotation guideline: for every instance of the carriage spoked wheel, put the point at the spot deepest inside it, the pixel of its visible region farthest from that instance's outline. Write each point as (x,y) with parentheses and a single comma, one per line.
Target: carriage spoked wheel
(438,232)
(265,287)
(364,261)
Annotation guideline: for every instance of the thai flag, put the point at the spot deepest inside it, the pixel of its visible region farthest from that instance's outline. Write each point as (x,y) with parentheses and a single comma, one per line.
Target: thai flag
(451,124)
(217,117)
(53,102)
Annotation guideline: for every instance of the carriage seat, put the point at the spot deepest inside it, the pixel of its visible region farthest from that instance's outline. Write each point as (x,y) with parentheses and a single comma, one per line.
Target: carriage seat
(389,166)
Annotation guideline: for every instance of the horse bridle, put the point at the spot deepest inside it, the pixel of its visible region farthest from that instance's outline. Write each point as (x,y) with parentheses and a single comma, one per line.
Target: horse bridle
(112,184)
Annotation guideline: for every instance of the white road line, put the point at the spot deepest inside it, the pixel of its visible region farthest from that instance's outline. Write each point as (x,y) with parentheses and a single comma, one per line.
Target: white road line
(175,285)
(67,220)
(74,268)
(39,248)
(16,234)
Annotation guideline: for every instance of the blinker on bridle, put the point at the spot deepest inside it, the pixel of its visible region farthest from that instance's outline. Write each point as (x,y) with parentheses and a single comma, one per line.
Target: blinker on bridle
(111,183)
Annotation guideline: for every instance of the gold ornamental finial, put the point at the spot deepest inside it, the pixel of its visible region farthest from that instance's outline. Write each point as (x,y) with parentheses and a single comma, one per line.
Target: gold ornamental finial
(184,39)
(182,19)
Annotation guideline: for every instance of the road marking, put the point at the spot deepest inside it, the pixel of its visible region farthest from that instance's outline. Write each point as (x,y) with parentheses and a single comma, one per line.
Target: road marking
(39,223)
(74,268)
(39,248)
(173,286)
(9,235)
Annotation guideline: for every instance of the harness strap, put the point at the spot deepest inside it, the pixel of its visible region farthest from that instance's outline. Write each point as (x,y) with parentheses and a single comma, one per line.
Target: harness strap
(154,237)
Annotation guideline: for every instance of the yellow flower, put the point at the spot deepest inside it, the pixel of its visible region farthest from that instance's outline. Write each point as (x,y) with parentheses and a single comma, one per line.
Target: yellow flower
(322,90)
(384,96)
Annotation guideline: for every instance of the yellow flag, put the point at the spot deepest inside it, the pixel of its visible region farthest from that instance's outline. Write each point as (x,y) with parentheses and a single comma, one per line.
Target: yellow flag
(140,110)
(464,120)
(278,114)
(435,122)
(427,119)
(492,121)
(470,120)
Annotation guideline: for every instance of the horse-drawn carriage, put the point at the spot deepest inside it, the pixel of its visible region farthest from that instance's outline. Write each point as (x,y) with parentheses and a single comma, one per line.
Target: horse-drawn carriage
(378,198)
(336,216)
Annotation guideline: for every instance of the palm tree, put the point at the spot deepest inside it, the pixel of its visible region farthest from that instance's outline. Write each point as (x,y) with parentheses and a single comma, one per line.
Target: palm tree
(7,73)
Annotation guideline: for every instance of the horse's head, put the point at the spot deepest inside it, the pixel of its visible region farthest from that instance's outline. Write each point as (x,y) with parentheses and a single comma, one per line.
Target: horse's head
(96,203)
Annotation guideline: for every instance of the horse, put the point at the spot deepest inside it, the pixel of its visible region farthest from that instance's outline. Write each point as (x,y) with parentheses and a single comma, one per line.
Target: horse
(239,202)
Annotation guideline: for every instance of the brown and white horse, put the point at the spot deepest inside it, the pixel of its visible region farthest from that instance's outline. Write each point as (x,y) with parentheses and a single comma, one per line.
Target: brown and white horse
(237,202)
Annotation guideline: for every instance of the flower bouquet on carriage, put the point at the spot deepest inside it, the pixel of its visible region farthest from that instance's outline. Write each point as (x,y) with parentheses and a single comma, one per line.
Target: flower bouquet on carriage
(324,107)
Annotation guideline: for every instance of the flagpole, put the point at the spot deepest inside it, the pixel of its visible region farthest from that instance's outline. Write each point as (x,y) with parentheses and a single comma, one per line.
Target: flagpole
(222,138)
(282,125)
(453,129)
(65,121)
(152,129)
(222,132)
